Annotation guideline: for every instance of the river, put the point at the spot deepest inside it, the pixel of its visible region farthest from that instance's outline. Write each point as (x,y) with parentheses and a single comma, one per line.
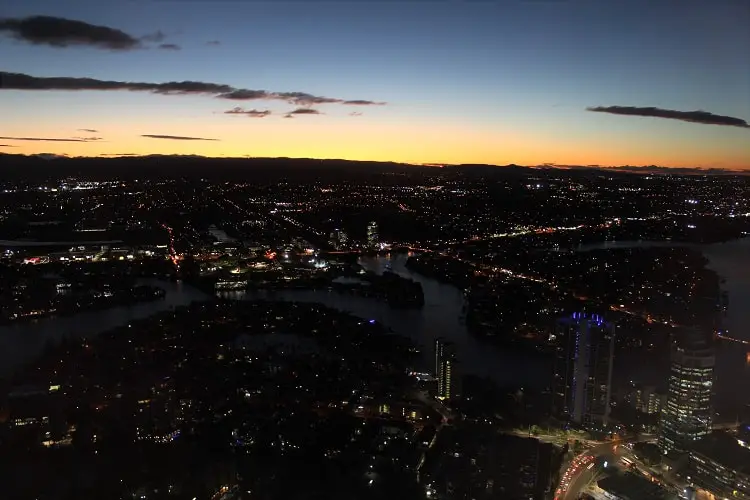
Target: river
(20,343)
(440,317)
(730,261)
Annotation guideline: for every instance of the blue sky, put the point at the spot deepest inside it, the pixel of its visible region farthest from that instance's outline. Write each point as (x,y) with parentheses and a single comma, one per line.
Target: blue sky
(521,69)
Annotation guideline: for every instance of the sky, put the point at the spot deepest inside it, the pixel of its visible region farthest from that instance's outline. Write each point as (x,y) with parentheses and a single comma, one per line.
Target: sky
(569,82)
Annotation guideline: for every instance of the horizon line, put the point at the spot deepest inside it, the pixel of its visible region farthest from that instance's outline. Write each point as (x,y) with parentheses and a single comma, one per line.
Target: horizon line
(644,169)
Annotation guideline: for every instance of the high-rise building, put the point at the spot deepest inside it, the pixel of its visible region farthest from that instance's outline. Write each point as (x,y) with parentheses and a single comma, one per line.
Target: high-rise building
(687,415)
(584,357)
(445,368)
(646,399)
(372,234)
(338,239)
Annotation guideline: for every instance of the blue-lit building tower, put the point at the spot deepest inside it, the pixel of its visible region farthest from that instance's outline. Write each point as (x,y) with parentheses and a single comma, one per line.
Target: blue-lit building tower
(584,358)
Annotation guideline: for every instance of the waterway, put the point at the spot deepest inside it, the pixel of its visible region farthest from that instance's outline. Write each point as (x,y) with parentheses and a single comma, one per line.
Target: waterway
(440,317)
(20,343)
(731,261)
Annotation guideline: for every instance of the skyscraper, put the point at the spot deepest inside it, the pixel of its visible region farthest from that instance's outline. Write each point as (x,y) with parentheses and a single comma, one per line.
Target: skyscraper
(445,368)
(688,413)
(372,234)
(338,239)
(582,383)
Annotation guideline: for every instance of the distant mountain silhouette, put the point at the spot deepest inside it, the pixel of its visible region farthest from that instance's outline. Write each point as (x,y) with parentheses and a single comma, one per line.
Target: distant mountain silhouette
(15,166)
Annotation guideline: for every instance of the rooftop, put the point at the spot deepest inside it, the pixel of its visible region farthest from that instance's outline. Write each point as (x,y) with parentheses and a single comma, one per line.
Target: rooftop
(579,317)
(693,339)
(724,449)
(633,487)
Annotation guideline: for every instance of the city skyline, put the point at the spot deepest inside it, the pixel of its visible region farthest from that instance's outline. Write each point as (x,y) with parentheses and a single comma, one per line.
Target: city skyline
(528,83)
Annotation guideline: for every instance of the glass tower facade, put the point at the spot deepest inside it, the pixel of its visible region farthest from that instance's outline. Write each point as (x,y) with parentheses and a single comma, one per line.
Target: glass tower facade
(687,415)
(372,234)
(445,368)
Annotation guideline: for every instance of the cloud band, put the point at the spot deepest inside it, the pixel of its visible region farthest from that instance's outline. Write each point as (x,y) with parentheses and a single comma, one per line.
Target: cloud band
(703,117)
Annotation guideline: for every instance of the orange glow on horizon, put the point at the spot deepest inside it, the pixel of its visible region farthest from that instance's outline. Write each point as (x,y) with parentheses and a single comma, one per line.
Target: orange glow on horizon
(328,137)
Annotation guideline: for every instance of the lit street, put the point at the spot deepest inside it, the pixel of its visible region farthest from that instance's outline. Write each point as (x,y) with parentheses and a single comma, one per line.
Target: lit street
(582,470)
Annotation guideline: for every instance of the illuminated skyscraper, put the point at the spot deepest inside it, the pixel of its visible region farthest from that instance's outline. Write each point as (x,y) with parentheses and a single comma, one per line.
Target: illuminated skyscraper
(445,368)
(372,234)
(687,415)
(582,383)
(338,239)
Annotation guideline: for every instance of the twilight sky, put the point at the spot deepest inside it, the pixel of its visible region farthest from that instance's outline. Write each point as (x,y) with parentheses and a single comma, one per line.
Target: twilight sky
(580,82)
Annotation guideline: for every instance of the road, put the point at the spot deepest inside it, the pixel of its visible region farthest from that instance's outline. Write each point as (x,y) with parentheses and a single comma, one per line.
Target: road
(582,470)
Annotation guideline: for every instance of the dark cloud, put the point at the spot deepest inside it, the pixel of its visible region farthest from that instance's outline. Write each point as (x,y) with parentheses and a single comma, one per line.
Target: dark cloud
(252,113)
(296,98)
(176,137)
(245,95)
(7,146)
(360,102)
(89,130)
(21,81)
(170,46)
(213,42)
(305,99)
(60,32)
(304,111)
(50,139)
(703,117)
(155,37)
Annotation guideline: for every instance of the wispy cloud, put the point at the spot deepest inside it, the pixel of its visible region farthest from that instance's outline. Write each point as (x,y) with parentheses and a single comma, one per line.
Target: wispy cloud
(360,102)
(654,169)
(303,111)
(61,32)
(155,37)
(170,46)
(175,137)
(21,81)
(89,130)
(213,42)
(52,139)
(355,113)
(703,117)
(252,113)
(7,146)
(298,98)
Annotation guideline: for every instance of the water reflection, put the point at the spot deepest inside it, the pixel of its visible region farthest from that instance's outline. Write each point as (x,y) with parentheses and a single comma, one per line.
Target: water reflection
(22,342)
(730,261)
(440,317)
